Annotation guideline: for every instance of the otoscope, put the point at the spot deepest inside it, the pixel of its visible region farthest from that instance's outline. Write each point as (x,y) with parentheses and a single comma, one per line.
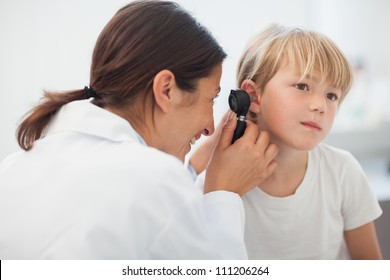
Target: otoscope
(239,102)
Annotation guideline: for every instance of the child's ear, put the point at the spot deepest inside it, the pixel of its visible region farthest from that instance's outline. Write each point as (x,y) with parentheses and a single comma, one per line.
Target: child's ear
(250,87)
(163,84)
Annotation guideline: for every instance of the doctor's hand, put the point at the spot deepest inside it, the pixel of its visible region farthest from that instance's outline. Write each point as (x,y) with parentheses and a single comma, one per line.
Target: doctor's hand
(201,156)
(241,166)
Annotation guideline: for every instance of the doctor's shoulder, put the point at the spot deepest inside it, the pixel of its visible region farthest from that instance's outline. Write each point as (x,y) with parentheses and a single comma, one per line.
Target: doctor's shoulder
(150,167)
(10,159)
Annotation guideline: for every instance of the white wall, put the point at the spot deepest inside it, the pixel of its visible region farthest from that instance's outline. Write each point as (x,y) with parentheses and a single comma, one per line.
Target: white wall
(44,45)
(47,44)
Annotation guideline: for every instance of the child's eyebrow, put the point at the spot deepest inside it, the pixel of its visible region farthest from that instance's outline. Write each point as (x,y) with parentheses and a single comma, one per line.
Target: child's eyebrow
(315,79)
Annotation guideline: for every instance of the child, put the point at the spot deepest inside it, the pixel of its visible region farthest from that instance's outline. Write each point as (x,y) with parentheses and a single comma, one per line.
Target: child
(317,204)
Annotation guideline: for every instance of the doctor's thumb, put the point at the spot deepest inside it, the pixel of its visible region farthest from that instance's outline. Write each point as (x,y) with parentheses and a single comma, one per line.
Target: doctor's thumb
(227,132)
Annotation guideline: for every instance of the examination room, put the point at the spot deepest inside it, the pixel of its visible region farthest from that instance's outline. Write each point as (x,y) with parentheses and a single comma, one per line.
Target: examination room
(47,45)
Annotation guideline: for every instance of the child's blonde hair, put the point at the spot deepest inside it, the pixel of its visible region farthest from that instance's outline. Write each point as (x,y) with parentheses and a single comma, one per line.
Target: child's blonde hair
(304,50)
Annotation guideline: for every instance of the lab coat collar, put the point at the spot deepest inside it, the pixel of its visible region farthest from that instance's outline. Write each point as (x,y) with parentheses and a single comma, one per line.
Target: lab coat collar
(84,117)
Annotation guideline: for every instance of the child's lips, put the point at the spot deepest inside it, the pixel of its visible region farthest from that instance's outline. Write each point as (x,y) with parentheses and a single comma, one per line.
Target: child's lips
(311,126)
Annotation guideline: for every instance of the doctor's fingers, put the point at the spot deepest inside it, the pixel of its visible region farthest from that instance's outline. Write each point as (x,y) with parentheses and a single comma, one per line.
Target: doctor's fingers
(269,150)
(251,133)
(263,142)
(218,130)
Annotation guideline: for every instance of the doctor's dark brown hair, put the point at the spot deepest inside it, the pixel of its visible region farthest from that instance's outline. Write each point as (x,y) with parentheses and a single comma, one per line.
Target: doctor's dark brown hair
(142,38)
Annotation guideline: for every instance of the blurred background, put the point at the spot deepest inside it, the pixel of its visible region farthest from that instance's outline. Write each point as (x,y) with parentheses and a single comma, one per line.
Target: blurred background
(47,44)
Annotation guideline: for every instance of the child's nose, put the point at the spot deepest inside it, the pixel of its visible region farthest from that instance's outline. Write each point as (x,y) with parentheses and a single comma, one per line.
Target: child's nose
(318,103)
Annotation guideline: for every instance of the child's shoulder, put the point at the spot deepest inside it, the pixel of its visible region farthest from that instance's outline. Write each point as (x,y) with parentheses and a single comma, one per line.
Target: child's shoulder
(331,150)
(340,163)
(332,155)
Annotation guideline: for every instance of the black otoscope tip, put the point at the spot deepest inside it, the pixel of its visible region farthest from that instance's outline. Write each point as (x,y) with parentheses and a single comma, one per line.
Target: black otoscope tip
(239,102)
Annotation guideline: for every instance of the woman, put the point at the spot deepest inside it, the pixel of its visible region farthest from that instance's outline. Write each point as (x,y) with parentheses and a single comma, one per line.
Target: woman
(102,174)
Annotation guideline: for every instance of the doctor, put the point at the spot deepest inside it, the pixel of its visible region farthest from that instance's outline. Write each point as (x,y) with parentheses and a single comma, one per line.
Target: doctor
(102,174)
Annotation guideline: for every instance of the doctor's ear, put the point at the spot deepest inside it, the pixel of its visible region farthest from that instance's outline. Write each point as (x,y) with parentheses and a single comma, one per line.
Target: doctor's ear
(163,87)
(250,87)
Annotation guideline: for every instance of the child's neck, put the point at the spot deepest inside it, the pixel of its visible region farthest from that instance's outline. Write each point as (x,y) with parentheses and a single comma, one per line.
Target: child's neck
(288,174)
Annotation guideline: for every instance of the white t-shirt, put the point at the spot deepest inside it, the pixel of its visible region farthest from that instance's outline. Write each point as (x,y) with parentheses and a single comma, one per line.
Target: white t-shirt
(333,197)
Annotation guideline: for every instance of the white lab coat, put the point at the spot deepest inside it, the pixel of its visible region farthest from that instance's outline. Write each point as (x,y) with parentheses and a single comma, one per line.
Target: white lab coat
(92,189)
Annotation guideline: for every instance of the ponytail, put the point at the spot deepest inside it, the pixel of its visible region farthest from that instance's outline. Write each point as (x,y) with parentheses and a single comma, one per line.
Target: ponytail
(38,118)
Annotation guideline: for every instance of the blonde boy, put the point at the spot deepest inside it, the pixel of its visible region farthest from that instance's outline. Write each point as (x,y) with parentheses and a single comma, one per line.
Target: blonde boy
(317,204)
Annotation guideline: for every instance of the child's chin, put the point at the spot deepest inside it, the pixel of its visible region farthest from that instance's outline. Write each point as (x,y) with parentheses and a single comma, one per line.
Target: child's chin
(307,147)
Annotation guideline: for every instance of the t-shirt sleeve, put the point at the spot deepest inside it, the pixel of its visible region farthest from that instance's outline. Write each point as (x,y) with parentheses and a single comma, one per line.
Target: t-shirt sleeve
(359,205)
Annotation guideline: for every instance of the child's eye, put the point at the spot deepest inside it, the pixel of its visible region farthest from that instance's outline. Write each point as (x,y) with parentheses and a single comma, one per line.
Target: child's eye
(332,96)
(302,86)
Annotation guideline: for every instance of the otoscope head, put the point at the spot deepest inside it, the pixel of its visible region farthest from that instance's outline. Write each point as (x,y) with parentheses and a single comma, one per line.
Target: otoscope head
(239,102)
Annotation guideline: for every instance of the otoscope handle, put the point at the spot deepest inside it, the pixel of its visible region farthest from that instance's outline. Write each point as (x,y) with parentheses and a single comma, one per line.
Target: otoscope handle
(240,128)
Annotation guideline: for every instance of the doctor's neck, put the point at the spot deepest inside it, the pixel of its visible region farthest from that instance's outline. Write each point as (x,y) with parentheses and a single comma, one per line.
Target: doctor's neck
(146,124)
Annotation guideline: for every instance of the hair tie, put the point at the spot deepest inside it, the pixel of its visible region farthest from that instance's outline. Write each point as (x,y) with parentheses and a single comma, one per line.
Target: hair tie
(89,92)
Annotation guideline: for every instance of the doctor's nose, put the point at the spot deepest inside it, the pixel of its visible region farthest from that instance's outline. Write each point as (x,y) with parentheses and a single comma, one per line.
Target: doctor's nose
(209,130)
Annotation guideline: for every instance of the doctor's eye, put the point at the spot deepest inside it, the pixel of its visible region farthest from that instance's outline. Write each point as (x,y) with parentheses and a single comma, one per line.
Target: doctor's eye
(332,96)
(302,86)
(215,97)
